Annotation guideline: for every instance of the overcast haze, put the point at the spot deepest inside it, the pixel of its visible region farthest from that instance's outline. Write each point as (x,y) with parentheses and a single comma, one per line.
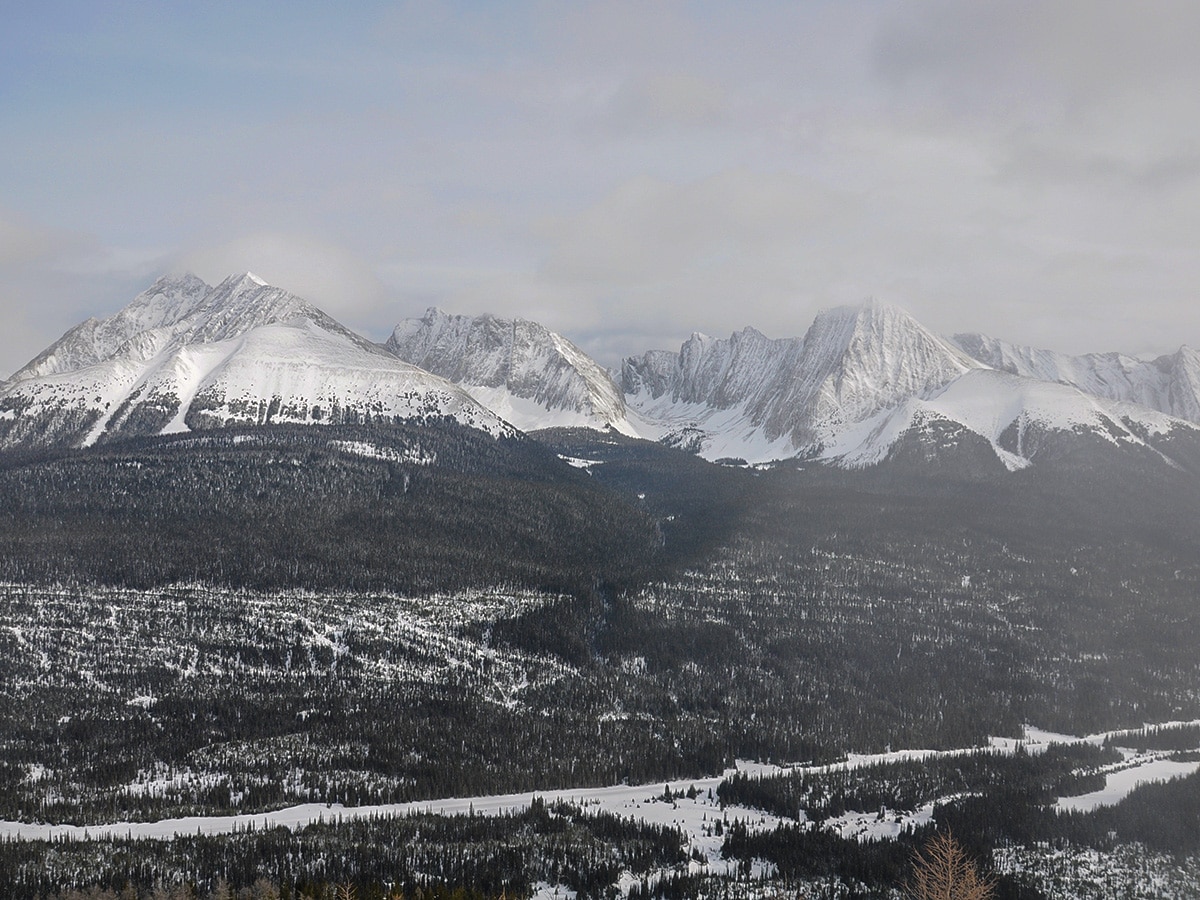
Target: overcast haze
(626,173)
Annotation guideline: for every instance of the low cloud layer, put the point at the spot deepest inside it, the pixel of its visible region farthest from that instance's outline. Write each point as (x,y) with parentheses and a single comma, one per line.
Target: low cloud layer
(625,172)
(329,276)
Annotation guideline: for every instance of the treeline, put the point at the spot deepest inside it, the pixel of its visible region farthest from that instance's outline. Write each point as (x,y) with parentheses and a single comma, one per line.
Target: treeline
(872,869)
(265,889)
(699,507)
(1171,737)
(420,856)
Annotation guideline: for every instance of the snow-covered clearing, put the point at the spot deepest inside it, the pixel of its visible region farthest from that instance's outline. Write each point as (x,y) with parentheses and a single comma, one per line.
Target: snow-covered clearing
(414,455)
(1122,778)
(1120,784)
(578,463)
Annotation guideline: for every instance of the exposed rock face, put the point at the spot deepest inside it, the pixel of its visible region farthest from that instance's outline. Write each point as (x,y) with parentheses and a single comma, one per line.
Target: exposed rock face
(795,393)
(527,373)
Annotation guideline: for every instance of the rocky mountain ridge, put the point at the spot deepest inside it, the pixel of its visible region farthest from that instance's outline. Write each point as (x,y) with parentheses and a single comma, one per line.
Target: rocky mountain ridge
(863,385)
(1169,383)
(528,374)
(792,396)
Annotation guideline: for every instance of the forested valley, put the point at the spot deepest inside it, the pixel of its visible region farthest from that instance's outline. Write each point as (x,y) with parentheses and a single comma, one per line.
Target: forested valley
(232,622)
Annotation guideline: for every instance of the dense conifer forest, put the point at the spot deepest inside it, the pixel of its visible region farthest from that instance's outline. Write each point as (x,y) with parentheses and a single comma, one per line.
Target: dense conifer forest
(413,508)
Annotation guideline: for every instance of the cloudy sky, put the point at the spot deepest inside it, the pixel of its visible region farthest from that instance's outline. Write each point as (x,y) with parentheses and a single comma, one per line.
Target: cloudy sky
(626,173)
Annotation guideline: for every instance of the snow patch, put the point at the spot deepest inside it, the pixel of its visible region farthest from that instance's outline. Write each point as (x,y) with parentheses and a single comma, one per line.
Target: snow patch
(578,463)
(413,455)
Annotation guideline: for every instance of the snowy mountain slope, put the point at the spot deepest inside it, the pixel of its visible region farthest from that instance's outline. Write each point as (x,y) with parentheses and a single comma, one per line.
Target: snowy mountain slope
(1018,417)
(1169,384)
(241,353)
(759,398)
(161,306)
(521,370)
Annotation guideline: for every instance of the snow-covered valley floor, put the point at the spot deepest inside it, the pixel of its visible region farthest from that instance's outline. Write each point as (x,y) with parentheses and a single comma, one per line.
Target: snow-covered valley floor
(693,805)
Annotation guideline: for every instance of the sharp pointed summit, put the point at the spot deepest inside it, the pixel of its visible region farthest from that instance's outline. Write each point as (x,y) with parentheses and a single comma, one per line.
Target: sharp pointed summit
(862,359)
(754,397)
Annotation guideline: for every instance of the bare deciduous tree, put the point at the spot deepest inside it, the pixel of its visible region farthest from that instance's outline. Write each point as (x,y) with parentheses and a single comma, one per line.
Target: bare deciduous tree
(943,871)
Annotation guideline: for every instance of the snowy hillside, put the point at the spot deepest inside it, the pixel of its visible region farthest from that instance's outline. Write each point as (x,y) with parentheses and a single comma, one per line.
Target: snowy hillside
(163,305)
(521,370)
(1169,384)
(1014,415)
(185,356)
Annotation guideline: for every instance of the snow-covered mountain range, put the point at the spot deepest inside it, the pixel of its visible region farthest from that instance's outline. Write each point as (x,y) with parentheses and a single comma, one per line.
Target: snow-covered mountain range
(185,356)
(864,384)
(865,380)
(754,397)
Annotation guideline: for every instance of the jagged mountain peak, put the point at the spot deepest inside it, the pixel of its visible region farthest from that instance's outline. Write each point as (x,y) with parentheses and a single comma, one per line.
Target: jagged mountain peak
(702,340)
(176,310)
(437,333)
(788,395)
(878,345)
(453,345)
(1186,354)
(880,326)
(175,281)
(437,317)
(871,309)
(247,289)
(530,375)
(242,302)
(437,314)
(746,335)
(857,360)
